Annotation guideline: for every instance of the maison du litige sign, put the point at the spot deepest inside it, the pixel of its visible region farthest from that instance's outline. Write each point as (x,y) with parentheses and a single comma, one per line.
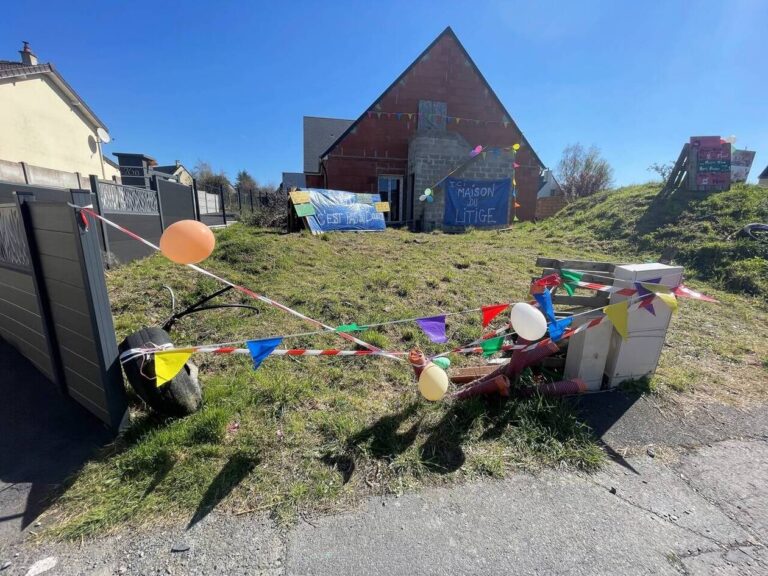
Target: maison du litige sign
(476,202)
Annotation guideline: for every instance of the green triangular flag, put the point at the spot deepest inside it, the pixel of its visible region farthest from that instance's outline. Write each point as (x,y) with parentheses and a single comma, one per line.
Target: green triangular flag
(492,345)
(569,288)
(347,328)
(570,275)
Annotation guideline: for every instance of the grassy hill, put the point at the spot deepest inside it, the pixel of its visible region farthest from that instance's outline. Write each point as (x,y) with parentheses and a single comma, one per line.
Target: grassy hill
(702,229)
(312,434)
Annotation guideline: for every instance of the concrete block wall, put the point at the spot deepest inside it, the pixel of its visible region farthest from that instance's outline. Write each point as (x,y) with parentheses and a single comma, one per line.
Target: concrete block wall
(433,155)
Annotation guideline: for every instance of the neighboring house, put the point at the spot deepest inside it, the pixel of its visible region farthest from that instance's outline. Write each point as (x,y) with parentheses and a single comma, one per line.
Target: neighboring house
(550,198)
(44,122)
(762,180)
(293,180)
(423,126)
(176,171)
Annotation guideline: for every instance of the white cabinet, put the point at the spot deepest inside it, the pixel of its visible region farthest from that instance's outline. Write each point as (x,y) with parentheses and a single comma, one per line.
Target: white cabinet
(638,354)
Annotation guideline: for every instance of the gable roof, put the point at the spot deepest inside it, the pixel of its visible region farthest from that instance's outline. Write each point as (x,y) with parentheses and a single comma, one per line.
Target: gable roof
(22,71)
(170,169)
(318,134)
(763,174)
(450,33)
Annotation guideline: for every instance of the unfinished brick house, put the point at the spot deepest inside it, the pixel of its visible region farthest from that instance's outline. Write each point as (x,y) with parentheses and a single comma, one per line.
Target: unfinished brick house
(421,127)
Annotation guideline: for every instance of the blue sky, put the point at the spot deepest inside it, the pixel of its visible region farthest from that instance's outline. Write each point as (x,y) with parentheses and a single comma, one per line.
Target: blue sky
(229,82)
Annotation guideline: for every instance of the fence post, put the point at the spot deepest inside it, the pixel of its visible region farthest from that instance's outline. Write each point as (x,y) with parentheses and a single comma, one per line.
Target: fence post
(153,185)
(94,180)
(223,207)
(100,315)
(196,199)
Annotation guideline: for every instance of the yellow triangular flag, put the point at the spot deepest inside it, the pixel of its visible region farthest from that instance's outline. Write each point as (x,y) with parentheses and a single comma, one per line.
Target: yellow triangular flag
(618,314)
(168,364)
(657,288)
(669,300)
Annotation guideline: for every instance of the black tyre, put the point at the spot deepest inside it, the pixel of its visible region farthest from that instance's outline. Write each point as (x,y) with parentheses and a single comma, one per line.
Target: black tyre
(179,397)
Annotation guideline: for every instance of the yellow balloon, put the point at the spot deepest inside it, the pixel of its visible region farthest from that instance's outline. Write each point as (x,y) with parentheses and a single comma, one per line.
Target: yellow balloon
(187,242)
(516,146)
(433,382)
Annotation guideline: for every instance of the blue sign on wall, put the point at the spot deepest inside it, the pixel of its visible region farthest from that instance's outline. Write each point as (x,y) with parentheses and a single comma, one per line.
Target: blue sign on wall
(336,210)
(476,202)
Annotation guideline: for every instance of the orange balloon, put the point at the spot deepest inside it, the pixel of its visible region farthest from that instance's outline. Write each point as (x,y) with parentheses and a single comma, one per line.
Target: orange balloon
(187,242)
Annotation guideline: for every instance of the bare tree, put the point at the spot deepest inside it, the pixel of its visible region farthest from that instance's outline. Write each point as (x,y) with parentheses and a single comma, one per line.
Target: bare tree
(208,179)
(583,172)
(663,169)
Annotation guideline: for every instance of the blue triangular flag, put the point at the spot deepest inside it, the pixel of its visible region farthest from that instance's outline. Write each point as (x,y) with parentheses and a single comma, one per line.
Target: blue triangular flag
(544,298)
(642,290)
(260,349)
(434,327)
(557,328)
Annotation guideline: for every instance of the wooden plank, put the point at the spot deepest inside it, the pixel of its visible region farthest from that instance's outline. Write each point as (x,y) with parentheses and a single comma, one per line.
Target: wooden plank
(53,218)
(17,279)
(69,296)
(585,265)
(26,300)
(58,244)
(606,278)
(93,406)
(80,344)
(585,301)
(75,320)
(29,318)
(29,334)
(466,375)
(61,270)
(83,365)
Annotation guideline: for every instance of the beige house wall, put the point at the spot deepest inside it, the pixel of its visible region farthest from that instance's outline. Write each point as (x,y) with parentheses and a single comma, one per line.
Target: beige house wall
(40,126)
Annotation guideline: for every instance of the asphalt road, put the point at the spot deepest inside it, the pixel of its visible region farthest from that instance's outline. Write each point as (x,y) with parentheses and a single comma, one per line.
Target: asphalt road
(663,509)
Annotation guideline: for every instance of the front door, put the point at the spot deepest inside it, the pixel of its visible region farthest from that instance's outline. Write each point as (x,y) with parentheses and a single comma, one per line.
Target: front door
(391,190)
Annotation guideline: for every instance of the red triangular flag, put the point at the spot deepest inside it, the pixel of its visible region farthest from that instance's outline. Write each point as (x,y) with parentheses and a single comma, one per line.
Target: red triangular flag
(518,205)
(490,312)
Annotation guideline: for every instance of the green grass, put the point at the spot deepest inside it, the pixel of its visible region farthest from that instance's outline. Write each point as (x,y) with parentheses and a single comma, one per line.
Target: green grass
(700,227)
(315,434)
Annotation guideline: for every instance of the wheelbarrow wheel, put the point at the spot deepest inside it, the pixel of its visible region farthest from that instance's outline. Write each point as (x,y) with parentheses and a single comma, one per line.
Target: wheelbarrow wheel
(179,397)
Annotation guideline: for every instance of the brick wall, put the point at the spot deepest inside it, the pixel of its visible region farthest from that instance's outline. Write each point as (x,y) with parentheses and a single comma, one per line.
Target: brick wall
(549,206)
(379,145)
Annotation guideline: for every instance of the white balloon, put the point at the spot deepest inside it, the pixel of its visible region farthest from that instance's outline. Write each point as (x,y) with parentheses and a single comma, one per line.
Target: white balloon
(428,192)
(527,321)
(422,198)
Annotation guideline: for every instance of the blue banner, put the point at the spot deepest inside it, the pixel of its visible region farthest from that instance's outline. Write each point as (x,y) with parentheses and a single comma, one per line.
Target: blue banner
(476,202)
(336,210)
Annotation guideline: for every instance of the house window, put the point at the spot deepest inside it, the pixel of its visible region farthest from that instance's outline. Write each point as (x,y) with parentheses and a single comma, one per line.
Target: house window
(391,190)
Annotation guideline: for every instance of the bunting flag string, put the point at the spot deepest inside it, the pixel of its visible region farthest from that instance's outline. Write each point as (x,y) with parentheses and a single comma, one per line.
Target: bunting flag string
(171,360)
(88,210)
(409,116)
(570,280)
